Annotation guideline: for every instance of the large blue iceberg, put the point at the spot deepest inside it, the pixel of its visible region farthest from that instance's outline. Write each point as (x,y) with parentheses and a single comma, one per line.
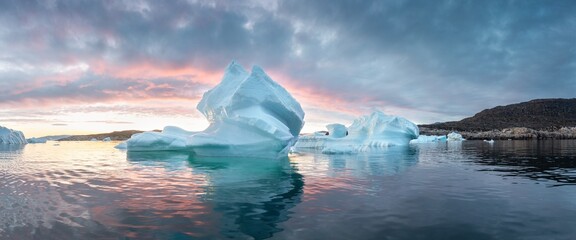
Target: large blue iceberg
(9,136)
(249,114)
(373,131)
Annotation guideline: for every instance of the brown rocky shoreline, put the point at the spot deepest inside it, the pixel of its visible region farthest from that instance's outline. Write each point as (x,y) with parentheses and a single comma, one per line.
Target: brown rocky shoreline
(515,133)
(114,136)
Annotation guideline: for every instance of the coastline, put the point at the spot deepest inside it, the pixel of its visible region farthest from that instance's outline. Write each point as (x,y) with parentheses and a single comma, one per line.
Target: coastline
(515,133)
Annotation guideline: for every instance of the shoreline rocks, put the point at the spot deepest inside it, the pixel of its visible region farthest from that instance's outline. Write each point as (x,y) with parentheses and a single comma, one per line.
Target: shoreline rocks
(515,133)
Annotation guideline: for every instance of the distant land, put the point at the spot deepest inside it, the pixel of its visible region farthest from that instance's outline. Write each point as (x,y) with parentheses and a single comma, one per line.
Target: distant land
(114,136)
(53,137)
(535,119)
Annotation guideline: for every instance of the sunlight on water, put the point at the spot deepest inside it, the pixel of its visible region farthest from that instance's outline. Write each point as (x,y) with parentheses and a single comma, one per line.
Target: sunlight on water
(469,190)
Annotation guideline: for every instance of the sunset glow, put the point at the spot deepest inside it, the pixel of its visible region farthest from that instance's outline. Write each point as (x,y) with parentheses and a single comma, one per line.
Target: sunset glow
(69,67)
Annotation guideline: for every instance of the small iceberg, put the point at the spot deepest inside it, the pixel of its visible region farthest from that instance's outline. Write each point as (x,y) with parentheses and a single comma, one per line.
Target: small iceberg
(106,139)
(373,131)
(170,139)
(454,137)
(121,145)
(429,139)
(10,136)
(36,140)
(250,115)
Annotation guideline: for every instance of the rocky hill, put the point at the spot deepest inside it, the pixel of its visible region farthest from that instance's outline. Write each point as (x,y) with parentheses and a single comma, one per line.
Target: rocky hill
(540,114)
(540,118)
(114,136)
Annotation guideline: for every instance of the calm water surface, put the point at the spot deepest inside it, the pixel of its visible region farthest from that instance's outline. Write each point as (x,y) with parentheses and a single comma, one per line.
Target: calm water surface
(469,190)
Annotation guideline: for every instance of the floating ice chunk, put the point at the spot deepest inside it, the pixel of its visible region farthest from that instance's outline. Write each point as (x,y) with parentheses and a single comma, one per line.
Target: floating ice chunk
(93,140)
(107,139)
(9,136)
(170,139)
(429,139)
(249,115)
(36,140)
(337,130)
(121,145)
(453,136)
(376,130)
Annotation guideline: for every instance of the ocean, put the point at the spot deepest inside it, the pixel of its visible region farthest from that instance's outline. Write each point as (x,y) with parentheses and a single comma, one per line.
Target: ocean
(456,190)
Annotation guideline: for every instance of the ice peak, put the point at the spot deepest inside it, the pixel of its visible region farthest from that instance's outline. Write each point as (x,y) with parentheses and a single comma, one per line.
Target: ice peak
(234,68)
(249,115)
(257,70)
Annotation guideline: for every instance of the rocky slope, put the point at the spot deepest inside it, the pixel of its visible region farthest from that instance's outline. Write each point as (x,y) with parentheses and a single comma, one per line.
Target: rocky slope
(541,118)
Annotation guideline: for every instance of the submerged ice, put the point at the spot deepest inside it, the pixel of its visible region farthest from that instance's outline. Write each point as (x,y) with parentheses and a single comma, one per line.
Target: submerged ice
(376,130)
(9,136)
(249,115)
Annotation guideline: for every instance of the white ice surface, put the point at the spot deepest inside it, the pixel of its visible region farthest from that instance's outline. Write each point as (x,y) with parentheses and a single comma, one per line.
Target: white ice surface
(453,136)
(249,115)
(373,131)
(9,136)
(429,139)
(36,140)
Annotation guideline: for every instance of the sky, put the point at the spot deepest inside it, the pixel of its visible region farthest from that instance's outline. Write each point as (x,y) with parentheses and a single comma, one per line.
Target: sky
(75,67)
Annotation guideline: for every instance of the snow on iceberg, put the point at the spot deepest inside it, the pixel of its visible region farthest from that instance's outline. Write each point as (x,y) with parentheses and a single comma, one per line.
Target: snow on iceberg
(376,130)
(249,115)
(9,136)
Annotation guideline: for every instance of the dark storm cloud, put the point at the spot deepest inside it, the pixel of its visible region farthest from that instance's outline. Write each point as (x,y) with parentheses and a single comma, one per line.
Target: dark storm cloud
(445,57)
(122,32)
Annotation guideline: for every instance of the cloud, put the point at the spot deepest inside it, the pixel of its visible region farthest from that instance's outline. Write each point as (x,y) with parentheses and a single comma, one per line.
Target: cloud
(426,54)
(91,88)
(434,58)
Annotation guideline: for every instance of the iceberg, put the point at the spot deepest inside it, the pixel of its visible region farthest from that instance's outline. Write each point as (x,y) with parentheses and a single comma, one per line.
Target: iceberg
(106,139)
(491,141)
(36,140)
(250,115)
(9,136)
(429,139)
(454,136)
(121,145)
(337,130)
(373,131)
(170,139)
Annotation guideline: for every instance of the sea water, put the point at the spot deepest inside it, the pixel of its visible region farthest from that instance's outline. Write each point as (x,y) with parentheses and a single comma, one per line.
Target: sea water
(455,190)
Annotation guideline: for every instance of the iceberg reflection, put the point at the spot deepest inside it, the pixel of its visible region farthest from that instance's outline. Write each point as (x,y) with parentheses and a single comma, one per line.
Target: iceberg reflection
(252,195)
(376,162)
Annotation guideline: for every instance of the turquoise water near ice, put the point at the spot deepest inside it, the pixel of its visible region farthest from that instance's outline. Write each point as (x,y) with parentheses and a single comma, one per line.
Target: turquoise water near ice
(468,190)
